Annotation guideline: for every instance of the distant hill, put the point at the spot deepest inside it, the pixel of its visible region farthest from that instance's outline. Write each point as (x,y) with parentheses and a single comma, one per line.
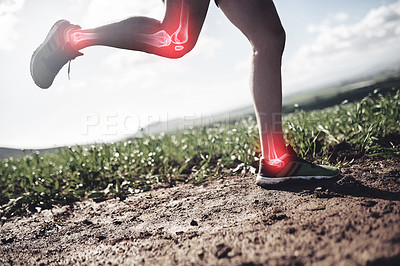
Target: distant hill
(175,125)
(9,152)
(349,91)
(352,90)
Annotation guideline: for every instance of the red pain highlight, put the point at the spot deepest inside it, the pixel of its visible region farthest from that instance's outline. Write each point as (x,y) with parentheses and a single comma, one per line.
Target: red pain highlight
(178,38)
(274,156)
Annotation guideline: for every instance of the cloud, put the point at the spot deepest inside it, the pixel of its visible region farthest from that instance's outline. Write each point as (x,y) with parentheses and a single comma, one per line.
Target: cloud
(8,20)
(345,50)
(341,16)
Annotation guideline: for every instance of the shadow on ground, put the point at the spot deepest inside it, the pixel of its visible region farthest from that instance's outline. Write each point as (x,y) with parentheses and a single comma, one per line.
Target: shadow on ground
(335,187)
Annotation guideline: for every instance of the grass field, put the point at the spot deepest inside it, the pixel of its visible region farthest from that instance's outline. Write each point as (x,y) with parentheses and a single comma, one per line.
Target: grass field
(38,181)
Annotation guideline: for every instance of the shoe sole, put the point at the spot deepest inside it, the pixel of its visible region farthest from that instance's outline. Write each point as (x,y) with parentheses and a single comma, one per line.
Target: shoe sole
(48,37)
(261,180)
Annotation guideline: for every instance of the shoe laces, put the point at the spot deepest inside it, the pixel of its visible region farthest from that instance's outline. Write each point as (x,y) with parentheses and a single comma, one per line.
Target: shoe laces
(69,66)
(69,69)
(72,55)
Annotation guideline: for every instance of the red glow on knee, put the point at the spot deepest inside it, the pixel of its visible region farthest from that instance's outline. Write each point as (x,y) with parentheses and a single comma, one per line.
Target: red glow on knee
(174,41)
(181,35)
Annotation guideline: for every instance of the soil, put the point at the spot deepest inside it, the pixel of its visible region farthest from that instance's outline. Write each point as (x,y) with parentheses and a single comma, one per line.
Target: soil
(351,220)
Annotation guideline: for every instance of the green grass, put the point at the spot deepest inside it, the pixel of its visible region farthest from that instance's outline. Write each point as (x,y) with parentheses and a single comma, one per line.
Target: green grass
(370,126)
(101,171)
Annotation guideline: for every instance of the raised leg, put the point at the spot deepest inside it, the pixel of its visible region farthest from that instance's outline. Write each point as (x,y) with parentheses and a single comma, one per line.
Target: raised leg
(175,36)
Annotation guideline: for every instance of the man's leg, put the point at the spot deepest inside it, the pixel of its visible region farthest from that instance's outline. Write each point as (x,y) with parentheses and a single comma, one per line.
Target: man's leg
(259,21)
(175,36)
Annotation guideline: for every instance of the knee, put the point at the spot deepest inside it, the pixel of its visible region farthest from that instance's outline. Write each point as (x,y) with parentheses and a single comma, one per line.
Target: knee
(175,50)
(269,41)
(171,50)
(179,51)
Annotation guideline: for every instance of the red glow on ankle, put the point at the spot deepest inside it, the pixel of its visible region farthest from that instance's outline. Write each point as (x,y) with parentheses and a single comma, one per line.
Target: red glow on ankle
(276,163)
(275,154)
(76,37)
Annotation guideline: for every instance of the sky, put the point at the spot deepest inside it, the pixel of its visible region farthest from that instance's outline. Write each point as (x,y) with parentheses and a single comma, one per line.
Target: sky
(112,93)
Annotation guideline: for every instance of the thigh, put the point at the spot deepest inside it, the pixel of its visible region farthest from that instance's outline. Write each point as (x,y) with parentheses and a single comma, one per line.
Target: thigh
(196,11)
(255,18)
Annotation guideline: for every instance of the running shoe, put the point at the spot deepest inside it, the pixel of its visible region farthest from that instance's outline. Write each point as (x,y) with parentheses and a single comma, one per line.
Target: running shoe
(292,167)
(53,54)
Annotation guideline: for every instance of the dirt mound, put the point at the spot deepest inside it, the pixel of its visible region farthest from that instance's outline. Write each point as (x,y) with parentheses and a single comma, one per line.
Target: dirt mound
(351,220)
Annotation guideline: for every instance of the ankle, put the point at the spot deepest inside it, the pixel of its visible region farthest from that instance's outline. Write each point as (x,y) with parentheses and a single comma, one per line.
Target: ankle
(74,36)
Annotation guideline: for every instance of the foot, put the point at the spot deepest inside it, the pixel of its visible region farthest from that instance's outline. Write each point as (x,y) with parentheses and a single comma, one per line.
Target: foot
(53,54)
(292,167)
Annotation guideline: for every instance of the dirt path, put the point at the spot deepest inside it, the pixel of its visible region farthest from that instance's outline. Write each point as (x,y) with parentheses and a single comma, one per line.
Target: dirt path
(349,221)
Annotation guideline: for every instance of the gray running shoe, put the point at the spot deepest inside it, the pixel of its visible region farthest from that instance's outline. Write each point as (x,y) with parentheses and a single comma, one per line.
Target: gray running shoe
(293,167)
(52,54)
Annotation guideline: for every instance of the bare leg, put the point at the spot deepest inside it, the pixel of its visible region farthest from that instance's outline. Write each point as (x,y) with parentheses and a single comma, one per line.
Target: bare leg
(259,21)
(175,36)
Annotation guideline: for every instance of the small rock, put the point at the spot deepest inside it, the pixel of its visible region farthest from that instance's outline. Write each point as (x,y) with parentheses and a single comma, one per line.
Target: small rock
(7,240)
(278,217)
(222,251)
(100,238)
(194,223)
(87,222)
(117,222)
(201,255)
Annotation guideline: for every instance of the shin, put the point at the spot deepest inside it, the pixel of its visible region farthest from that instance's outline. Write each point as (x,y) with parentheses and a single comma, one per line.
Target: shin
(139,33)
